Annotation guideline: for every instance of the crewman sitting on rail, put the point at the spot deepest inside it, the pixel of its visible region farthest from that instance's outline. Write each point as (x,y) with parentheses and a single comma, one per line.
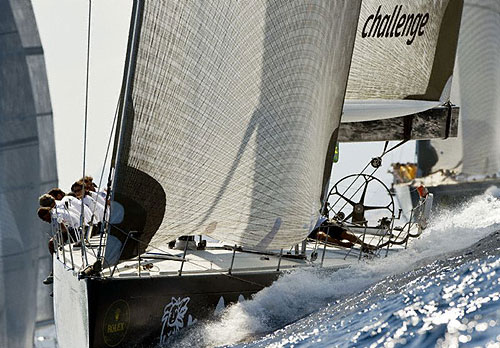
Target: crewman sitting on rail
(67,205)
(67,211)
(95,207)
(90,189)
(72,202)
(46,214)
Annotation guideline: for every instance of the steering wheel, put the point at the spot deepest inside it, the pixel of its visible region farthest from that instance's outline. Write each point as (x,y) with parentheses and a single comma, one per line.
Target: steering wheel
(341,198)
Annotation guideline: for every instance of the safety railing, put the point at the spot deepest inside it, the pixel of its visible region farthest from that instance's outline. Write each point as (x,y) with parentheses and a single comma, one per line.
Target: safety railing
(67,241)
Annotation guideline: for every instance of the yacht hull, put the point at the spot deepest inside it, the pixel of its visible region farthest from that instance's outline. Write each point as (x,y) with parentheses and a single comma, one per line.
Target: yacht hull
(445,196)
(142,311)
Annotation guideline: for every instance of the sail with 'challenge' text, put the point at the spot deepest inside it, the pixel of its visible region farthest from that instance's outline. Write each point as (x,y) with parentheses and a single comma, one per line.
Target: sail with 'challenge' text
(403,58)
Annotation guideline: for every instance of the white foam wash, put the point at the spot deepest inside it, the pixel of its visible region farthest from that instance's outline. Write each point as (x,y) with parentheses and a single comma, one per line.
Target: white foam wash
(302,292)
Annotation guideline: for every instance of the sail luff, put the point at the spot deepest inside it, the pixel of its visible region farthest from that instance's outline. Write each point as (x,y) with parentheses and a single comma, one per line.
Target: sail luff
(479,69)
(129,68)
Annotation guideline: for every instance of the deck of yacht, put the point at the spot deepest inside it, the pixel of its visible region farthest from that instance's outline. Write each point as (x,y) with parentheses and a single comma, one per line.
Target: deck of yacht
(218,258)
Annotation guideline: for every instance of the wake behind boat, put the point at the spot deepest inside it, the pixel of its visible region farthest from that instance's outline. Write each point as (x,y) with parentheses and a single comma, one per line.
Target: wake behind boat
(227,125)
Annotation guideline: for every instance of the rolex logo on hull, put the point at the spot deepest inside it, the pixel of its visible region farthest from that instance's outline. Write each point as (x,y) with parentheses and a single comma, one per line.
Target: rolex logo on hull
(397,24)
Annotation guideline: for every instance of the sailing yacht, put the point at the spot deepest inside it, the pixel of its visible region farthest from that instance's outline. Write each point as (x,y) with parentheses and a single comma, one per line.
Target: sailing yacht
(229,116)
(27,169)
(455,170)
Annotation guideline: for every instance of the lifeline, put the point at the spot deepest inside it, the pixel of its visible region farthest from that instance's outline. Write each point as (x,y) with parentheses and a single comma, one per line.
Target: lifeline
(411,24)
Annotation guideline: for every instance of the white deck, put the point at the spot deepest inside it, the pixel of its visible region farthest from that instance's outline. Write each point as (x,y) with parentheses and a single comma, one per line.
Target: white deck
(217,258)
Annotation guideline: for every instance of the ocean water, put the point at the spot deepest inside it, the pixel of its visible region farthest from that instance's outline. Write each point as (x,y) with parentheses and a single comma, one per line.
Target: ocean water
(443,291)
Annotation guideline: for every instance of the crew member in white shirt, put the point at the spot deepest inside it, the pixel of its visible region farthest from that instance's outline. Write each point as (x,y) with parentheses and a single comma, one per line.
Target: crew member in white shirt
(95,207)
(65,202)
(90,189)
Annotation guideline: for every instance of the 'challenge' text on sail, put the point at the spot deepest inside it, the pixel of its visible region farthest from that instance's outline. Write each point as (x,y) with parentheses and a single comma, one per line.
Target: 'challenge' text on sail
(395,25)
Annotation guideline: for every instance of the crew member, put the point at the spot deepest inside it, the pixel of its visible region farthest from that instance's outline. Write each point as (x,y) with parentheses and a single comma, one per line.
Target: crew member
(336,234)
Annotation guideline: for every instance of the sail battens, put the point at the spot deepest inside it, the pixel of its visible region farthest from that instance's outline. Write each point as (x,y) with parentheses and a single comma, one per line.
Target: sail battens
(24,51)
(18,143)
(229,118)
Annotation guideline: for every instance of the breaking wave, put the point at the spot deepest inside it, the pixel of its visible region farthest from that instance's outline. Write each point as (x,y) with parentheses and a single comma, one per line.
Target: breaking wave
(302,292)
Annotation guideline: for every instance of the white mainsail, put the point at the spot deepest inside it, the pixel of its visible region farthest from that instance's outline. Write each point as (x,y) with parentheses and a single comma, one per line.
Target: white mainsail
(477,150)
(403,58)
(27,168)
(231,114)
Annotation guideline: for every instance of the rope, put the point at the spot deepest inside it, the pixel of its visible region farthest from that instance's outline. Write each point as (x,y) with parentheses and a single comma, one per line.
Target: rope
(84,254)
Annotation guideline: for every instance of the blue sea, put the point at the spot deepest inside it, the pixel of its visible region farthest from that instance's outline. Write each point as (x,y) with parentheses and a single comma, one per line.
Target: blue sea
(443,291)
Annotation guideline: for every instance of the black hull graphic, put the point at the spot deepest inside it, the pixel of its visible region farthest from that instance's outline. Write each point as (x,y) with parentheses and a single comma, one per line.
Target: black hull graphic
(143,312)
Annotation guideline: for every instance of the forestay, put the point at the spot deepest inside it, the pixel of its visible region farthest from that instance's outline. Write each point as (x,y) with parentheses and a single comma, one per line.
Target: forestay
(403,58)
(228,123)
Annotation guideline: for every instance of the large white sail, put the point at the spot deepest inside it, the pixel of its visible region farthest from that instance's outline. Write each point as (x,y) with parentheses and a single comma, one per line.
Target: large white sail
(477,91)
(439,154)
(35,63)
(403,58)
(27,167)
(232,109)
(479,71)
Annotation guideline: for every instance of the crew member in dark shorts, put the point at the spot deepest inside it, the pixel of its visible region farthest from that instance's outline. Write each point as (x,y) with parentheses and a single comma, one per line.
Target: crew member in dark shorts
(337,235)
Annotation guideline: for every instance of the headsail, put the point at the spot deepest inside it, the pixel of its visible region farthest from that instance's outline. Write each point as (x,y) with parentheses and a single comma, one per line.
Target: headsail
(403,58)
(231,110)
(478,89)
(27,167)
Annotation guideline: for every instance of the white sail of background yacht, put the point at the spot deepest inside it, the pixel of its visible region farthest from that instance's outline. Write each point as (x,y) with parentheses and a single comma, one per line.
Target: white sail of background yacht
(27,168)
(476,152)
(403,58)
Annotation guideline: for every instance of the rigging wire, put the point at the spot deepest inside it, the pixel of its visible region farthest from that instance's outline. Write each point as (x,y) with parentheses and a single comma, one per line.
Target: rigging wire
(101,232)
(384,152)
(84,254)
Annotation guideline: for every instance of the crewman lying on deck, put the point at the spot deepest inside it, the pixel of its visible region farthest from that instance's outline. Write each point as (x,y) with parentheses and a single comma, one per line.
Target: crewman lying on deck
(336,234)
